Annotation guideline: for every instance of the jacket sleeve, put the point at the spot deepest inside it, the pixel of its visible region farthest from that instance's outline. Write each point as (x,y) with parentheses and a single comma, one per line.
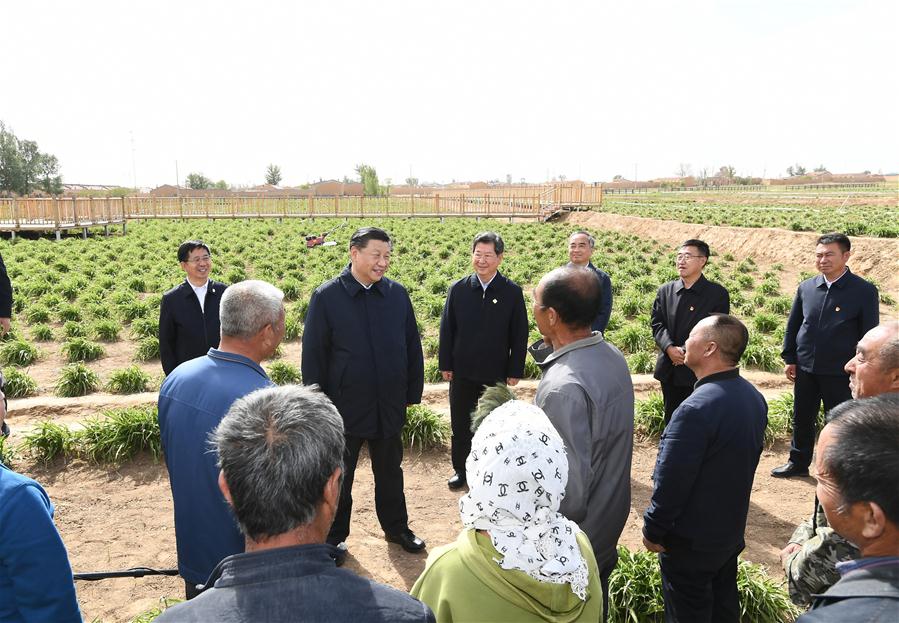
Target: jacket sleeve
(316,344)
(681,455)
(658,321)
(447,334)
(35,559)
(518,338)
(870,309)
(788,354)
(167,335)
(561,405)
(5,292)
(605,307)
(723,304)
(812,569)
(414,357)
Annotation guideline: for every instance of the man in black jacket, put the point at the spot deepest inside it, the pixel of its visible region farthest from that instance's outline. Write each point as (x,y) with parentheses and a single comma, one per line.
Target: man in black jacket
(703,477)
(362,348)
(580,250)
(830,314)
(679,305)
(483,340)
(189,313)
(5,299)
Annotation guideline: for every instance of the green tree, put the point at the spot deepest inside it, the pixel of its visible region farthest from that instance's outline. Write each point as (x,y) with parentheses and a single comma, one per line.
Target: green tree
(49,179)
(820,169)
(24,169)
(727,171)
(198,181)
(796,170)
(369,178)
(273,175)
(411,181)
(221,185)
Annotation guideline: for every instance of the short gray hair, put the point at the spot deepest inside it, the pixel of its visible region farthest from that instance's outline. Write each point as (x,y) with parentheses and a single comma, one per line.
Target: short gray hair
(247,307)
(277,448)
(889,350)
(590,239)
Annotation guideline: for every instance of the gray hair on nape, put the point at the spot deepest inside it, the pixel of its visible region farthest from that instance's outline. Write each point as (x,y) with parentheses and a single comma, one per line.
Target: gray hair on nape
(248,306)
(277,448)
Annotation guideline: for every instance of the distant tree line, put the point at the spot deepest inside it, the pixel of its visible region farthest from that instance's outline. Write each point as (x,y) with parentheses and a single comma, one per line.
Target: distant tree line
(24,168)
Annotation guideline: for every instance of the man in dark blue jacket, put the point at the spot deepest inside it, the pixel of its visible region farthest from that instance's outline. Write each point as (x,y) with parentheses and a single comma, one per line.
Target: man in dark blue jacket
(189,313)
(580,250)
(483,340)
(703,478)
(830,314)
(361,346)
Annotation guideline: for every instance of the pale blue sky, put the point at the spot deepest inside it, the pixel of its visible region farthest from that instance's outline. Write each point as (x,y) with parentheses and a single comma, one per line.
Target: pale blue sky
(450,90)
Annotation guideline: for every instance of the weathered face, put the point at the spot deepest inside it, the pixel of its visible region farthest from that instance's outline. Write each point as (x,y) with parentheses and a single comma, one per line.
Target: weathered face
(541,315)
(278,329)
(830,260)
(842,518)
(697,344)
(197,266)
(689,262)
(867,377)
(371,262)
(485,260)
(579,249)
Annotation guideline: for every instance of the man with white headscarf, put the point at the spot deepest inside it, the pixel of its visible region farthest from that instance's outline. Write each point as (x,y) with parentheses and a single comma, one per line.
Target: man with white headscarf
(517,559)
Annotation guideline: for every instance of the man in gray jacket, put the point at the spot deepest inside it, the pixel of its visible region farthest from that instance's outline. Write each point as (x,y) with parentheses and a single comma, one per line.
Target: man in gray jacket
(587,393)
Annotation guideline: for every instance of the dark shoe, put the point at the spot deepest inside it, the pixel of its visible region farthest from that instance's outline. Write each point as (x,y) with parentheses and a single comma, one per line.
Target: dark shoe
(407,540)
(789,470)
(456,482)
(340,555)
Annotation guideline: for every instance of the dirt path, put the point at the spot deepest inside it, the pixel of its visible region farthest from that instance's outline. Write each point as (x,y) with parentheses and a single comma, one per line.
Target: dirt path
(120,517)
(877,258)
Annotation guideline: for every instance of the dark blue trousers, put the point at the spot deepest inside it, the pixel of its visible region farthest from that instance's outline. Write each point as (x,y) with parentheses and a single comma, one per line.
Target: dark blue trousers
(809,392)
(700,587)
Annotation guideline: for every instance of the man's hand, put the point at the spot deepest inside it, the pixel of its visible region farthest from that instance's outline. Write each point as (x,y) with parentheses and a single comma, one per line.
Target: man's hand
(4,323)
(447,375)
(653,547)
(790,371)
(675,354)
(789,549)
(512,382)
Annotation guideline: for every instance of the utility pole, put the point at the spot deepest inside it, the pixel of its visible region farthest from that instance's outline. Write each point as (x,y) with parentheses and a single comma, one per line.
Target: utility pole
(133,165)
(177,179)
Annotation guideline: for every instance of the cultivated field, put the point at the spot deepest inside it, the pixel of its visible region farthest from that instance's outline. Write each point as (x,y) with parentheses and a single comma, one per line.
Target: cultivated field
(97,300)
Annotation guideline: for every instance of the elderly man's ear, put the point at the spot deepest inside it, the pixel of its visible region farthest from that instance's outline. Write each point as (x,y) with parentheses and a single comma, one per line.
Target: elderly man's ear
(223,487)
(331,494)
(875,520)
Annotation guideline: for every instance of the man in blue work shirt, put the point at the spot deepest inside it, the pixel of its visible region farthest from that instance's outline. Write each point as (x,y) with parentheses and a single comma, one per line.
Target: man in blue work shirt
(830,314)
(192,401)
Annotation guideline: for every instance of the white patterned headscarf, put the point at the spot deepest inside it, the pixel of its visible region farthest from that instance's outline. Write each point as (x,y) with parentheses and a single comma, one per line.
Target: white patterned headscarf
(517,472)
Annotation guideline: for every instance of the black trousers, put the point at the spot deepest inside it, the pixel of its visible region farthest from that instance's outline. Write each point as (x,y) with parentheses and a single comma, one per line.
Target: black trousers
(700,587)
(463,399)
(604,574)
(390,501)
(673,396)
(809,392)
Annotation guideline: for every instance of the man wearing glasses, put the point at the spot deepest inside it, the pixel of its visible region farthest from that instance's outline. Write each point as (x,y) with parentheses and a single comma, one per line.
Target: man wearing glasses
(189,313)
(362,348)
(679,306)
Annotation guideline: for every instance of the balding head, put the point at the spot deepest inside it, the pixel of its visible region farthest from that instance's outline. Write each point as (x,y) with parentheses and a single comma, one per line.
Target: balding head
(573,292)
(875,368)
(715,343)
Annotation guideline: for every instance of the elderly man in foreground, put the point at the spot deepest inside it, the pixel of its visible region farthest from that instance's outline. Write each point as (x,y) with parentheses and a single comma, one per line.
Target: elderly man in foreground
(192,401)
(810,558)
(856,463)
(281,456)
(587,394)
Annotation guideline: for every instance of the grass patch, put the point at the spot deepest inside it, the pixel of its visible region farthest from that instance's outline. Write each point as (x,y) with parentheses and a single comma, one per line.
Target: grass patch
(284,373)
(18,353)
(424,427)
(73,328)
(147,349)
(18,384)
(106,330)
(76,379)
(8,454)
(145,327)
(649,416)
(81,349)
(635,592)
(49,440)
(130,380)
(151,615)
(120,434)
(42,332)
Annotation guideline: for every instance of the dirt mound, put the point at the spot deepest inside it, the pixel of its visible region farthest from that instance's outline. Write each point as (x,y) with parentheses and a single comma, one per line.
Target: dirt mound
(876,258)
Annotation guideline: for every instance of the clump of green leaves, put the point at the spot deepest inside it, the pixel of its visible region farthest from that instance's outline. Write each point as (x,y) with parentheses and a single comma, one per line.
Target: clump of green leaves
(49,440)
(76,379)
(432,371)
(8,454)
(152,614)
(106,330)
(145,327)
(147,349)
(120,434)
(80,349)
(18,353)
(71,329)
(18,383)
(130,380)
(37,313)
(42,332)
(649,416)
(424,427)
(284,373)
